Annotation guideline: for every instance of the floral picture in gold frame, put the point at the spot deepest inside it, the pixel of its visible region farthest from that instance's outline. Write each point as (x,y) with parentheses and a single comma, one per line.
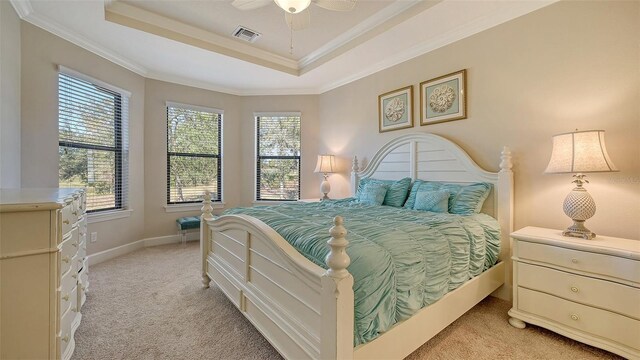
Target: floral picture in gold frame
(444,98)
(395,109)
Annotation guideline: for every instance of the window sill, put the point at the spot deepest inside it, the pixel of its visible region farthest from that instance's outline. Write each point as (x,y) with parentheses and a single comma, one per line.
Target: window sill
(273,202)
(108,215)
(174,208)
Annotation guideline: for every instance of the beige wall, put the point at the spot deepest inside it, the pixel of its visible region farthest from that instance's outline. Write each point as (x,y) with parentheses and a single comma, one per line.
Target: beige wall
(9,97)
(42,52)
(570,65)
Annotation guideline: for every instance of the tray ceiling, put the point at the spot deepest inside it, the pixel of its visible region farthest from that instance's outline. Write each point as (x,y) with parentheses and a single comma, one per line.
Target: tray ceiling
(189,42)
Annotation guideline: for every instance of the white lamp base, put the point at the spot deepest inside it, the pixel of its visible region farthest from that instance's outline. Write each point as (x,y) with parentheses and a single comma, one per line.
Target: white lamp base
(325,187)
(579,206)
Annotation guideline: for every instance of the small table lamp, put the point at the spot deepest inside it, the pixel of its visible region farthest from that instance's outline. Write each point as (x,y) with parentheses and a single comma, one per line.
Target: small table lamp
(579,152)
(325,165)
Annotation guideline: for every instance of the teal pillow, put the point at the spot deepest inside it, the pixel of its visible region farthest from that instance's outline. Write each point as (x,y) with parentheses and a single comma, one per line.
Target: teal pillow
(373,194)
(411,200)
(396,193)
(434,201)
(463,199)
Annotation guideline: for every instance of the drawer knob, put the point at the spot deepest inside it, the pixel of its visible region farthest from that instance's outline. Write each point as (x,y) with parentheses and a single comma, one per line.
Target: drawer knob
(75,213)
(75,276)
(575,261)
(65,222)
(74,244)
(65,259)
(575,317)
(574,289)
(66,297)
(65,338)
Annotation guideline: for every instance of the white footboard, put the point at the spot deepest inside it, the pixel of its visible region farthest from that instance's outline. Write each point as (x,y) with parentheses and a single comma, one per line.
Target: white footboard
(303,310)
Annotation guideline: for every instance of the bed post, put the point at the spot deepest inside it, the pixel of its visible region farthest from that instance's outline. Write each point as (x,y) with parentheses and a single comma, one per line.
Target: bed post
(505,217)
(354,176)
(337,298)
(204,235)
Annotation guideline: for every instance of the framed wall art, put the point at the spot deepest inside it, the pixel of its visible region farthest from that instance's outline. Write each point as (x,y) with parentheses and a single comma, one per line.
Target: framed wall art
(395,109)
(444,98)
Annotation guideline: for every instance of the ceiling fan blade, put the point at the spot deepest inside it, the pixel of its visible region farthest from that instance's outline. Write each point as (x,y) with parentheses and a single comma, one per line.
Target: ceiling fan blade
(336,5)
(250,4)
(298,21)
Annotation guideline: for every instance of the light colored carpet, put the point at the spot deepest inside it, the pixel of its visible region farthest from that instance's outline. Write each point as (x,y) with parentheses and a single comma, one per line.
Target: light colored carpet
(149,304)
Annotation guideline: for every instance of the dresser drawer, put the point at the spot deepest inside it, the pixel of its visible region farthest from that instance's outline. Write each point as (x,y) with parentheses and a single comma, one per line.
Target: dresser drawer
(68,250)
(603,294)
(615,327)
(69,217)
(68,282)
(65,335)
(597,264)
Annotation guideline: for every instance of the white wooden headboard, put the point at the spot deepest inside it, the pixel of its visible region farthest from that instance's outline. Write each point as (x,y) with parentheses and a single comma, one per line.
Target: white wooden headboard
(430,157)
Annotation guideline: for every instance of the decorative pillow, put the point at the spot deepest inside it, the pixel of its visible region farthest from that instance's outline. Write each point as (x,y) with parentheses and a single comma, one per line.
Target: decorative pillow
(463,199)
(373,194)
(434,201)
(396,193)
(411,200)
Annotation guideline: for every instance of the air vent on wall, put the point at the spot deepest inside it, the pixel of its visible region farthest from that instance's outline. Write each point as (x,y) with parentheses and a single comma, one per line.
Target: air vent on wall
(246,34)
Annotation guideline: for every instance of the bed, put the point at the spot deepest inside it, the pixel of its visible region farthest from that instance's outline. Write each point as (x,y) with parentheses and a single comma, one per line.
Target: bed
(305,308)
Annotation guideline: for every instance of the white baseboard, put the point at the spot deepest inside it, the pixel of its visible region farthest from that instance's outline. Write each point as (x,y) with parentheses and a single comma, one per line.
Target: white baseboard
(105,255)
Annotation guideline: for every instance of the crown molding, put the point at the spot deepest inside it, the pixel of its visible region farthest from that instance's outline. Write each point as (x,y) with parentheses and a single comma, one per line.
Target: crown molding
(27,13)
(53,27)
(22,7)
(456,34)
(152,23)
(367,25)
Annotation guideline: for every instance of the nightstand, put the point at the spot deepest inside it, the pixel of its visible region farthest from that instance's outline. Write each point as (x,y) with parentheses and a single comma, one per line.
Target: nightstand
(588,290)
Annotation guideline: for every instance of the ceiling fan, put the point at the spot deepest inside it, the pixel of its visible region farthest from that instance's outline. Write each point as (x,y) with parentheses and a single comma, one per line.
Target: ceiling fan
(296,12)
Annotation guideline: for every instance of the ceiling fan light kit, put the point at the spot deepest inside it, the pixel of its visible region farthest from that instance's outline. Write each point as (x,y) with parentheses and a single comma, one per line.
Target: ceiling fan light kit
(293,6)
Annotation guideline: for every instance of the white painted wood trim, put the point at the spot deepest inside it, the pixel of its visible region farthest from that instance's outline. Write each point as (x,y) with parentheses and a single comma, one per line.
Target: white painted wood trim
(277,113)
(65,70)
(174,208)
(117,251)
(193,107)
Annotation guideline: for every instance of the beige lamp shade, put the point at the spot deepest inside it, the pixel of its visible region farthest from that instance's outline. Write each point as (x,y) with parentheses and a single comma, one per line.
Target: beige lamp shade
(326,164)
(580,152)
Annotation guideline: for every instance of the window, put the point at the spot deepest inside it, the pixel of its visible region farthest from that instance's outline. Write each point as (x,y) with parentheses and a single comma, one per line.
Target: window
(194,160)
(92,139)
(278,156)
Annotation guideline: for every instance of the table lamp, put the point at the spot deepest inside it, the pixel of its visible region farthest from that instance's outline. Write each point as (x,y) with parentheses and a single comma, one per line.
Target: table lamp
(325,165)
(579,152)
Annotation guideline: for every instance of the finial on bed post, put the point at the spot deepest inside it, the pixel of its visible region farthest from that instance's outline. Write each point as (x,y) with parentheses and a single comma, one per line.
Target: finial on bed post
(204,235)
(354,176)
(206,206)
(337,260)
(505,157)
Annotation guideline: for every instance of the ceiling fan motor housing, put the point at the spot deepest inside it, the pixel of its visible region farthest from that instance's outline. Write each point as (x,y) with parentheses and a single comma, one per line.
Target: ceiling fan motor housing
(293,6)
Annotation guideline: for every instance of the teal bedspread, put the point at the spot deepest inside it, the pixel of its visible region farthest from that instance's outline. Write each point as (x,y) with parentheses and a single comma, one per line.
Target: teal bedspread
(401,260)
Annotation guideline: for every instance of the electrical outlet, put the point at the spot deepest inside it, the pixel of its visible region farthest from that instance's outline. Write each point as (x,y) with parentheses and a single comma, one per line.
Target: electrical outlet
(94,237)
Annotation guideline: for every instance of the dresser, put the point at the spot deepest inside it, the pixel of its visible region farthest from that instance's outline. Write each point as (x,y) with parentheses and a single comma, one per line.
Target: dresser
(43,271)
(588,290)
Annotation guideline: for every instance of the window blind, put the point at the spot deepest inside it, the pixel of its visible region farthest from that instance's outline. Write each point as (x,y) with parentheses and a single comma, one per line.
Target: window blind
(194,156)
(93,141)
(278,156)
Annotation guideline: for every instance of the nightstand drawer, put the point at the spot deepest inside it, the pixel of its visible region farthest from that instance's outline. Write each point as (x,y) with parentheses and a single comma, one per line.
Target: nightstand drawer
(603,294)
(597,264)
(615,327)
